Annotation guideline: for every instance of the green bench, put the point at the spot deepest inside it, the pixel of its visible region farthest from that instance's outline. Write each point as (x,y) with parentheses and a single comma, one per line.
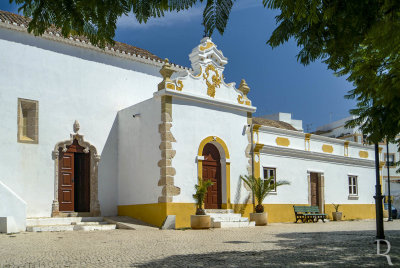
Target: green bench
(308,213)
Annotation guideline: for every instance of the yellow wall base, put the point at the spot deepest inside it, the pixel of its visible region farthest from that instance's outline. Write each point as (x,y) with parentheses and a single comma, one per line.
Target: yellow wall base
(155,214)
(353,211)
(151,213)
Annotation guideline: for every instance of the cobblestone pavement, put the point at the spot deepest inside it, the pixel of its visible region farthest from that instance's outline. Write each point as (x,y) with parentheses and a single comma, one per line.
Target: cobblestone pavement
(332,244)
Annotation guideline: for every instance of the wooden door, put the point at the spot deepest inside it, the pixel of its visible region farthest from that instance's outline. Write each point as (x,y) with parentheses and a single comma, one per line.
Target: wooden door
(82,182)
(212,171)
(74,179)
(66,182)
(315,195)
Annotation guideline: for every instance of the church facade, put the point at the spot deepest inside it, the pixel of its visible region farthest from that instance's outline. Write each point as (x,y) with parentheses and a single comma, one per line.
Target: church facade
(121,132)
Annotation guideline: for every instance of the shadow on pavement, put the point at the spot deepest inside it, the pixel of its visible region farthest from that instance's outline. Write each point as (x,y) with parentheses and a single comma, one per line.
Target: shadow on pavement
(329,249)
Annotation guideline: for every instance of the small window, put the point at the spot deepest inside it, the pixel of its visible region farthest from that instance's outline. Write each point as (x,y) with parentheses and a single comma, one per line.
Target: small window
(28,121)
(268,173)
(353,188)
(389,157)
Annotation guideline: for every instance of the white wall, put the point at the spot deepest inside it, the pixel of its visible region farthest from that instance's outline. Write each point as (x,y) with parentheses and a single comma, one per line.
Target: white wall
(193,122)
(139,153)
(295,171)
(70,84)
(108,173)
(12,211)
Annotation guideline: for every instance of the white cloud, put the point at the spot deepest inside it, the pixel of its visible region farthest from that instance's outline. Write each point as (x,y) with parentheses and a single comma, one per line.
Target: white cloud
(170,19)
(173,18)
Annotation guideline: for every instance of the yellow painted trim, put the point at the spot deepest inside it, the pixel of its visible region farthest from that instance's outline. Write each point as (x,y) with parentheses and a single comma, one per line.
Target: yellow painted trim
(208,45)
(228,184)
(257,166)
(327,148)
(363,154)
(282,141)
(170,86)
(227,166)
(210,139)
(200,168)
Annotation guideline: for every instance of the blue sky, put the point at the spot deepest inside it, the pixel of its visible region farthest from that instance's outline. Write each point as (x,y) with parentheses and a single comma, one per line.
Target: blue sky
(278,83)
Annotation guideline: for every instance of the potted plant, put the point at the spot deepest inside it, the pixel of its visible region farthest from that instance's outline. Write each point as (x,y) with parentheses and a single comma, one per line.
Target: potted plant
(201,220)
(336,215)
(260,189)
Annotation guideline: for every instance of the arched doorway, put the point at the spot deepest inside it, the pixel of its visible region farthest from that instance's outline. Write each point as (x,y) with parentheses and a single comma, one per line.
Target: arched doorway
(74,179)
(211,170)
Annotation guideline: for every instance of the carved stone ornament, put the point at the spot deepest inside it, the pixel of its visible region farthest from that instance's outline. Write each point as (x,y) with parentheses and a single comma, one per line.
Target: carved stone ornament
(166,72)
(215,80)
(76,126)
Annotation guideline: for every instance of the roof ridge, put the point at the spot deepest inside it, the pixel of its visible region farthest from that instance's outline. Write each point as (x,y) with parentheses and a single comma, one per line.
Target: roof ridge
(118,49)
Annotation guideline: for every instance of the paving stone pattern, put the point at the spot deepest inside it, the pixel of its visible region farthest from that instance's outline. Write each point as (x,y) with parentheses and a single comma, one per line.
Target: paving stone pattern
(332,244)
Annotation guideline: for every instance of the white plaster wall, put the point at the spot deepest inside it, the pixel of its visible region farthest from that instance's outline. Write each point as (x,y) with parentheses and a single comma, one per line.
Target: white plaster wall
(193,122)
(108,173)
(70,84)
(139,153)
(267,138)
(295,171)
(12,211)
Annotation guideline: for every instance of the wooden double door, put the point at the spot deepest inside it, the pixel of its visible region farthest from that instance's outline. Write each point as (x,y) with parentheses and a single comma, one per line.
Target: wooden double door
(212,171)
(74,179)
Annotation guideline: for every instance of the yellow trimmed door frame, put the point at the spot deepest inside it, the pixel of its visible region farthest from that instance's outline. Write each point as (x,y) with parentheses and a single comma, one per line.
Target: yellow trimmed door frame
(225,160)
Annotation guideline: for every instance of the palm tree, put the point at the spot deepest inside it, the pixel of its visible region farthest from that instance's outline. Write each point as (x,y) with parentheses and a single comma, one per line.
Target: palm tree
(261,188)
(201,191)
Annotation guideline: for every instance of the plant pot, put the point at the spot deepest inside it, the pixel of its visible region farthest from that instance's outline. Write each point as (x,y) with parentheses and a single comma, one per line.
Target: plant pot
(200,221)
(261,219)
(337,216)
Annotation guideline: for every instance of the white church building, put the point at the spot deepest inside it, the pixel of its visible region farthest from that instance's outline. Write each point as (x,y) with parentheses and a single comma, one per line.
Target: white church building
(119,131)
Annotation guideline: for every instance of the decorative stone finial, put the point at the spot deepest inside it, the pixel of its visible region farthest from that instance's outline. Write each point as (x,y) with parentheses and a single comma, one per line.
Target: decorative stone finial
(76,127)
(244,88)
(166,71)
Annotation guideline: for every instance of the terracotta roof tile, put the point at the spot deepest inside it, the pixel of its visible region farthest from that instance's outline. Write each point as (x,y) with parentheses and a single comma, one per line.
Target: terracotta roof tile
(272,123)
(12,18)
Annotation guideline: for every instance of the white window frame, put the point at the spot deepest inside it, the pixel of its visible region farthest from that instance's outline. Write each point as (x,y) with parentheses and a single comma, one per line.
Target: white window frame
(274,171)
(352,183)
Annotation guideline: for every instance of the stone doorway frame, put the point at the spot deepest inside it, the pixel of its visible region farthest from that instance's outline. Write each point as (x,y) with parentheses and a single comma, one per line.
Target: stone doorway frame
(321,180)
(225,167)
(94,163)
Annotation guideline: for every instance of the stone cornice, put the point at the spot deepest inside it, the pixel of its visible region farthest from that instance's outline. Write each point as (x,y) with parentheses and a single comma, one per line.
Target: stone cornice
(203,99)
(273,150)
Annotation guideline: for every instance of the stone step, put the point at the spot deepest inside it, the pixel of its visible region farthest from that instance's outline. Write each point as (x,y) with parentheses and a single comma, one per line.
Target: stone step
(90,223)
(100,227)
(60,220)
(50,228)
(240,219)
(227,217)
(225,224)
(219,211)
(71,227)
